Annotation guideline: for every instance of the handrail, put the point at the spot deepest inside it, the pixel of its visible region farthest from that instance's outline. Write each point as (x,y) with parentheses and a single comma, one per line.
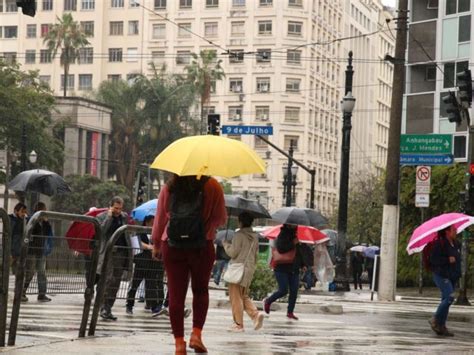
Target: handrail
(20,276)
(109,246)
(6,245)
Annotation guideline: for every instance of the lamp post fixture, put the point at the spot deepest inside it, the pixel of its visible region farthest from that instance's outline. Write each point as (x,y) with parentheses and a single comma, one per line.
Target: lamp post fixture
(33,157)
(347,105)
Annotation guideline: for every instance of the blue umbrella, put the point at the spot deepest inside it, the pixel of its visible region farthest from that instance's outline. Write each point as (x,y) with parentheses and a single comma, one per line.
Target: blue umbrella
(371,251)
(145,209)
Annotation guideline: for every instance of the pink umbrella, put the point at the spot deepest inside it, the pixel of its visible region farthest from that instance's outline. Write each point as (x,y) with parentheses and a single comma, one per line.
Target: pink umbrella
(428,230)
(305,234)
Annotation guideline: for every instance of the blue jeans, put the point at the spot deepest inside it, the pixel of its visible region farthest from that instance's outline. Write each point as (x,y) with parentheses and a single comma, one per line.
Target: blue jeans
(308,279)
(286,280)
(446,287)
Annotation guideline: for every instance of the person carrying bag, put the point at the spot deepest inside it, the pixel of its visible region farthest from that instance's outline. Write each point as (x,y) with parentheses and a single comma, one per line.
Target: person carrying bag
(243,251)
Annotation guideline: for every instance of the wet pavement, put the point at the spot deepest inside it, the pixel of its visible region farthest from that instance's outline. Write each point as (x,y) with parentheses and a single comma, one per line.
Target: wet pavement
(328,323)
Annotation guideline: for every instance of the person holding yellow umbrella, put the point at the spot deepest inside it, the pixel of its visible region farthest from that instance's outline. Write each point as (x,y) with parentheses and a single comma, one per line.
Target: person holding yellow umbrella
(190,209)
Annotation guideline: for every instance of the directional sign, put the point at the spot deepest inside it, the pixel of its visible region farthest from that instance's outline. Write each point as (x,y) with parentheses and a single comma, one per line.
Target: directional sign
(426,159)
(423,179)
(260,130)
(422,200)
(426,143)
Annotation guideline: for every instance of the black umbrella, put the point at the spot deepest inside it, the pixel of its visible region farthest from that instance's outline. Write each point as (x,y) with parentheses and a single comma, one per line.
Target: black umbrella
(300,216)
(41,181)
(237,204)
(224,235)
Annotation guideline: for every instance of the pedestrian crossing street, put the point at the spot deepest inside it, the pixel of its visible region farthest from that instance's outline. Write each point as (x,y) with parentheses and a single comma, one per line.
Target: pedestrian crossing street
(366,327)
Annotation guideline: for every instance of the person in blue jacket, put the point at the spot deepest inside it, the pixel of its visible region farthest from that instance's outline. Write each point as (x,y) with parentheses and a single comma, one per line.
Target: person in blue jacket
(445,262)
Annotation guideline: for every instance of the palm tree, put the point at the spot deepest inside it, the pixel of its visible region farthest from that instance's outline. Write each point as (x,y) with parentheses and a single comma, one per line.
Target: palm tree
(203,72)
(68,35)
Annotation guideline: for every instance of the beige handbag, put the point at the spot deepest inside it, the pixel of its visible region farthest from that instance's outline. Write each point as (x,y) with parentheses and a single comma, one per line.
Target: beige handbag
(235,271)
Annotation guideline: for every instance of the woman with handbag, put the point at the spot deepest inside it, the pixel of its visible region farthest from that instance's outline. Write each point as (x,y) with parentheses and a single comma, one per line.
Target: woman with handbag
(243,251)
(288,258)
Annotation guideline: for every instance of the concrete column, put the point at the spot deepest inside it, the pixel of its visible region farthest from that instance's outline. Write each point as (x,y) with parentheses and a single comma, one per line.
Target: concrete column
(71,150)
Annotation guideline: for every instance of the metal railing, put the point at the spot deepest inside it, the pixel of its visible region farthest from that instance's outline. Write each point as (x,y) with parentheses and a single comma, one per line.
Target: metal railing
(5,276)
(20,275)
(101,287)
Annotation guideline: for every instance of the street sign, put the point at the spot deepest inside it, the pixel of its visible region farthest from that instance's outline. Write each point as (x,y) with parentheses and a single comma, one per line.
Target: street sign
(426,159)
(423,179)
(422,200)
(260,130)
(426,144)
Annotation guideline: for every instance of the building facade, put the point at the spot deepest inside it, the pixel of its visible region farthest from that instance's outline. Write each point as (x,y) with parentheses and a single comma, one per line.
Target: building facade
(289,73)
(439,46)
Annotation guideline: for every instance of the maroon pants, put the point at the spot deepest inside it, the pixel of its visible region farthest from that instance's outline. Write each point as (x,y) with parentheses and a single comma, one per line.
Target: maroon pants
(180,264)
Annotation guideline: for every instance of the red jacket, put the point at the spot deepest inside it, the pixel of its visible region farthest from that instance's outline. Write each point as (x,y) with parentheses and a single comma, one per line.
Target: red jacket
(213,212)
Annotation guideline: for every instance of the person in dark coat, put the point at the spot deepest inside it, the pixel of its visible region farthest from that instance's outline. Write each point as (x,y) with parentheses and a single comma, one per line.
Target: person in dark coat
(222,260)
(287,275)
(17,222)
(357,261)
(445,262)
(36,260)
(149,270)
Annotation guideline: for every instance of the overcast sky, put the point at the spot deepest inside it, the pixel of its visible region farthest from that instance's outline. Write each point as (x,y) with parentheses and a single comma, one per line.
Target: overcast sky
(389,2)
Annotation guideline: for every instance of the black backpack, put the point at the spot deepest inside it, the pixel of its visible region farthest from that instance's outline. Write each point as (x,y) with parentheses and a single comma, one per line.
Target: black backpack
(186,226)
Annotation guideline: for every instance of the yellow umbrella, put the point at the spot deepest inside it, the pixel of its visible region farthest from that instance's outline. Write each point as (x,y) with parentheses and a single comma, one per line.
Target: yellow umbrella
(209,155)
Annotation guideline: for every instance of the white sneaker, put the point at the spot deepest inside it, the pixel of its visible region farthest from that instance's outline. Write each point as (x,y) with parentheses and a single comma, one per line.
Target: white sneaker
(235,328)
(258,321)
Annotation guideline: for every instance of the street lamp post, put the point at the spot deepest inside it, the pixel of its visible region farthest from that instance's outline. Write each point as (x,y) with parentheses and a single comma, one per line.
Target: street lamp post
(34,196)
(289,175)
(348,103)
(294,171)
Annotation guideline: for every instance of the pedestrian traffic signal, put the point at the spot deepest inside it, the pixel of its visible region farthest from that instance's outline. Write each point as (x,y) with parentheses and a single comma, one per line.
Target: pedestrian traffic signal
(213,124)
(28,7)
(464,83)
(452,108)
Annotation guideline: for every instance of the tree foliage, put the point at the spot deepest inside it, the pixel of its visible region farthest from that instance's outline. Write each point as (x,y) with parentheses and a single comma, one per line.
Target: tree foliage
(89,191)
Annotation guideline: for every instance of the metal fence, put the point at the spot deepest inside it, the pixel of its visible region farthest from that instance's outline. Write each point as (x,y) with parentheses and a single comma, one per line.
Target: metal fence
(5,272)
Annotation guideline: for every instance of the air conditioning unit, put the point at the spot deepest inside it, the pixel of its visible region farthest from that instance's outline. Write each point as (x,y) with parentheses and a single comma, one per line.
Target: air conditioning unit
(264,88)
(236,117)
(264,117)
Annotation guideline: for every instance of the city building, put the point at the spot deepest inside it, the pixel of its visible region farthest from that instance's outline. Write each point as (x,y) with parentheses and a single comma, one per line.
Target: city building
(439,46)
(282,61)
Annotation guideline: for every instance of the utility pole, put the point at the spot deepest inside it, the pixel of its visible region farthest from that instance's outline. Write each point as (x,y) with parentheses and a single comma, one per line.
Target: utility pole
(391,208)
(289,176)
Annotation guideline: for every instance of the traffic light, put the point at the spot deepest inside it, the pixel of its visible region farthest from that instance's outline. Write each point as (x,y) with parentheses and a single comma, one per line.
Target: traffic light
(141,191)
(452,108)
(213,124)
(28,7)
(464,83)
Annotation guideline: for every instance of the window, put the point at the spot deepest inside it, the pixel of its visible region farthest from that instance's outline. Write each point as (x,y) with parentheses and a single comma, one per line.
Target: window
(293,85)
(159,31)
(292,114)
(464,33)
(264,27)
(132,55)
(70,5)
(430,73)
(210,29)
(263,85)
(45,27)
(45,79)
(237,29)
(45,56)
(134,3)
(85,81)
(266,2)
(297,3)
(69,82)
(264,55)
(114,77)
(238,3)
(260,144)
(183,30)
(116,28)
(293,57)
(30,56)
(236,56)
(88,4)
(235,113)
(88,28)
(47,5)
(450,70)
(117,3)
(10,6)
(288,140)
(9,57)
(236,85)
(160,4)
(183,57)
(262,113)
(185,4)
(132,28)
(10,31)
(115,54)
(30,31)
(456,6)
(212,3)
(86,55)
(294,28)
(158,57)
